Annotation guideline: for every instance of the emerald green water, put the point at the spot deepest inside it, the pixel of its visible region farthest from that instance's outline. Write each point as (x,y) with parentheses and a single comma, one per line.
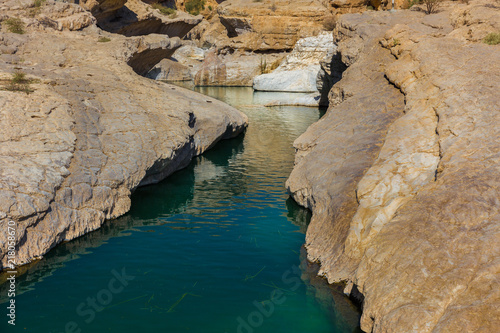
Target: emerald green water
(216,247)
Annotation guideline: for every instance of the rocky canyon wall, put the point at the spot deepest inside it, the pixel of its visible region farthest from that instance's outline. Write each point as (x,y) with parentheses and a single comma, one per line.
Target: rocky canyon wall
(402,172)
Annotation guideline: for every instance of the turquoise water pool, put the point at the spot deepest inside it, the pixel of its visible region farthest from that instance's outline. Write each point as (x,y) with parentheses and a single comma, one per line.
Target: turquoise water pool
(216,247)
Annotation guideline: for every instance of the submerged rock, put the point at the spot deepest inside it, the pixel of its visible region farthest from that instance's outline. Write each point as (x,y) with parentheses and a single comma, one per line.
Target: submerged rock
(402,172)
(90,131)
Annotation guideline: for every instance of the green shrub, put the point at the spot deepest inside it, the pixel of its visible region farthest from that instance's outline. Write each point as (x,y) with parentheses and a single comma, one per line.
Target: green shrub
(172,13)
(412,3)
(19,82)
(104,39)
(194,7)
(38,3)
(263,65)
(15,25)
(492,38)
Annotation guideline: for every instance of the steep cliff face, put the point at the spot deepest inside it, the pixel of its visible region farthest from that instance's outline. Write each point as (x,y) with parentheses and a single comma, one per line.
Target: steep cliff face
(90,130)
(402,172)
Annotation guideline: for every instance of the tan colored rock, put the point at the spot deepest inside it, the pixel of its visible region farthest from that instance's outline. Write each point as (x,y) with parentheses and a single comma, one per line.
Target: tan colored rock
(169,70)
(92,131)
(405,195)
(270,25)
(212,72)
(137,18)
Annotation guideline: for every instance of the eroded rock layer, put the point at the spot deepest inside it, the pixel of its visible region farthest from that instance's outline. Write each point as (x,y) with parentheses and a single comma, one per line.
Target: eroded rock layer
(402,173)
(90,130)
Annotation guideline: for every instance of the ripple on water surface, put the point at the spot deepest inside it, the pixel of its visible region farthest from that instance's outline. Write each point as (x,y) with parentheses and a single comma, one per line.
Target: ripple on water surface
(214,248)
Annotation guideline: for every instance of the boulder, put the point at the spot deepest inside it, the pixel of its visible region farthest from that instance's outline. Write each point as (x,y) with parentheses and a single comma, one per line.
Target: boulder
(301,80)
(169,70)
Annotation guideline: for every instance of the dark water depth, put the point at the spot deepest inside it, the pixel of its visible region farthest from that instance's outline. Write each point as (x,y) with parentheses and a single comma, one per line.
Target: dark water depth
(214,248)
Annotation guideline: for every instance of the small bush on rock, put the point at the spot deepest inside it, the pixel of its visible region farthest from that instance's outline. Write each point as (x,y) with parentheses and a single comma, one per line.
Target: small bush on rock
(19,82)
(194,7)
(172,13)
(492,39)
(15,25)
(104,39)
(430,6)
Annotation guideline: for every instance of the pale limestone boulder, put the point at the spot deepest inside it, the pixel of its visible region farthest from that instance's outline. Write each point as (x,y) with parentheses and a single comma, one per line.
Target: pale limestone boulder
(299,71)
(301,80)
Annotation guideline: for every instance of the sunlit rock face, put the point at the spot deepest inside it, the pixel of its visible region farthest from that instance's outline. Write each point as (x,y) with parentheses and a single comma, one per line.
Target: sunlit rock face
(91,130)
(299,70)
(402,172)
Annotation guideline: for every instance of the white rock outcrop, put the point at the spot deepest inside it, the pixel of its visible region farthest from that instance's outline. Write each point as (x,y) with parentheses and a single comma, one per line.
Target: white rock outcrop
(299,71)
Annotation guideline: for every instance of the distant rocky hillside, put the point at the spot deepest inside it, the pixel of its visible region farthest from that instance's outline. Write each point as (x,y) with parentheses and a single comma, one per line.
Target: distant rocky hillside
(81,129)
(402,173)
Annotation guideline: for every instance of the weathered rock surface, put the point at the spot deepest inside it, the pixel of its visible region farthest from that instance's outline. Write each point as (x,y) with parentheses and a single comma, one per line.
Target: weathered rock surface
(250,37)
(169,70)
(72,151)
(299,71)
(138,18)
(270,25)
(230,69)
(402,172)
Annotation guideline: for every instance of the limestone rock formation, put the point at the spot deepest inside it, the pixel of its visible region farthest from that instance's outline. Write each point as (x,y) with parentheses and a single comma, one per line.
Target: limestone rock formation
(212,71)
(138,18)
(250,37)
(299,71)
(90,130)
(169,70)
(270,25)
(402,172)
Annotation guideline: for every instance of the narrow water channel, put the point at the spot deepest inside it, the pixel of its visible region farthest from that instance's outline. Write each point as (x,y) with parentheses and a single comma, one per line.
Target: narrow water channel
(216,247)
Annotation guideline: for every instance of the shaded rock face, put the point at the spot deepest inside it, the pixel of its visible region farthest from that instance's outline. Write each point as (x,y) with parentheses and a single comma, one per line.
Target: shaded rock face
(73,150)
(169,70)
(138,18)
(299,71)
(331,69)
(402,172)
(149,51)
